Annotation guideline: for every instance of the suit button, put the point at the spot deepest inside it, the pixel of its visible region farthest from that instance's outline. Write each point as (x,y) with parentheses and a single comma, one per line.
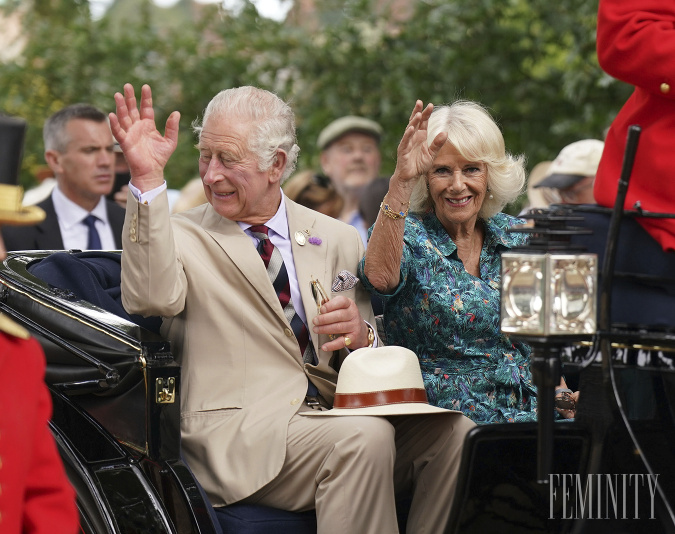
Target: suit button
(134,216)
(288,332)
(295,401)
(132,238)
(665,88)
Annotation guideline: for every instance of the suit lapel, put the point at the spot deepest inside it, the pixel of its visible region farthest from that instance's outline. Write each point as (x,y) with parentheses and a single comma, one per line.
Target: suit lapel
(48,233)
(310,259)
(239,248)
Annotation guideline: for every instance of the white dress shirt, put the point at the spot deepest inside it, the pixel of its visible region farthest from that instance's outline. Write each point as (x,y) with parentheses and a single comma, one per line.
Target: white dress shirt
(74,232)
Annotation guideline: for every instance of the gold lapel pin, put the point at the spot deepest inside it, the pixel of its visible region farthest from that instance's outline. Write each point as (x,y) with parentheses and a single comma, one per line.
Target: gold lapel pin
(300,238)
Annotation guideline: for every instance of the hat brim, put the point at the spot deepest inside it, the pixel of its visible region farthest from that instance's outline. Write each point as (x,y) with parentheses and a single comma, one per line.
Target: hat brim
(560,181)
(27,215)
(404,408)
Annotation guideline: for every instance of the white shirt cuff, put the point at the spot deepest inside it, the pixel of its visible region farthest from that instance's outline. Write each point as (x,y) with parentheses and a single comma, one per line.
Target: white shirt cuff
(148,196)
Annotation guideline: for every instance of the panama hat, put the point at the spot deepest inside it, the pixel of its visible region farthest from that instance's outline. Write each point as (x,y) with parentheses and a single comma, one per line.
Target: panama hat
(380,381)
(11,210)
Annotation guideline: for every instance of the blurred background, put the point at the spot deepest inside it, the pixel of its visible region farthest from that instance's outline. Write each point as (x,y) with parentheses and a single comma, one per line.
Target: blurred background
(531,62)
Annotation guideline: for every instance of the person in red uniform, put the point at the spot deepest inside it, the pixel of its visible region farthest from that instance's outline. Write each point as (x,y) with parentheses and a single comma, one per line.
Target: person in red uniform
(35,494)
(636,44)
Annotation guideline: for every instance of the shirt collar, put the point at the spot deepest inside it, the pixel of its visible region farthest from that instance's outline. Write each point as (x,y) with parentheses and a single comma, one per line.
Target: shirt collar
(69,214)
(278,223)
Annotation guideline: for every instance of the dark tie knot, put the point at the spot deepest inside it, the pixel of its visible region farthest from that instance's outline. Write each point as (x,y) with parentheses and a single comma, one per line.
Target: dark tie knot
(90,220)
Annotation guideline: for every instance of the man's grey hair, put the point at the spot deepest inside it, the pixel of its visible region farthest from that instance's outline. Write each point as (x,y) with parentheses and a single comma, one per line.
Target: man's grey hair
(476,136)
(273,123)
(54,131)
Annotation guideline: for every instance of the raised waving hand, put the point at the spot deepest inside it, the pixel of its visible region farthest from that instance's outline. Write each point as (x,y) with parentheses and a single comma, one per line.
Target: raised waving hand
(146,150)
(414,157)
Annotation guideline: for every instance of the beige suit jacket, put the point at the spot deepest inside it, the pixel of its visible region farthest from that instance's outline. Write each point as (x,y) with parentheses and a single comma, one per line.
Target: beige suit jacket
(242,373)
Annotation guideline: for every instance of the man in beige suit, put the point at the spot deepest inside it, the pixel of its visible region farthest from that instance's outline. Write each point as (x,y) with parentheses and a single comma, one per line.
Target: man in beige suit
(244,383)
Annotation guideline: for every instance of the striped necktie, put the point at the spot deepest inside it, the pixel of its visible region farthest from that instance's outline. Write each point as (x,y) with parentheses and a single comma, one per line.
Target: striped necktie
(276,270)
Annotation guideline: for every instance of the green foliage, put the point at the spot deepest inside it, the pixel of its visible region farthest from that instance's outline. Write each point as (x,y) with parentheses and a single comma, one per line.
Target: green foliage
(531,62)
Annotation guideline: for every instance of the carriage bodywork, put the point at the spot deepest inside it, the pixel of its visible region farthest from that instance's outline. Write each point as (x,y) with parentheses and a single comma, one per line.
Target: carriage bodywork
(115,389)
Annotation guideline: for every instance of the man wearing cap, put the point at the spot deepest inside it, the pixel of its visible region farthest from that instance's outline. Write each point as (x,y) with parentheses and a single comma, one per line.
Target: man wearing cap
(350,157)
(79,150)
(36,495)
(573,171)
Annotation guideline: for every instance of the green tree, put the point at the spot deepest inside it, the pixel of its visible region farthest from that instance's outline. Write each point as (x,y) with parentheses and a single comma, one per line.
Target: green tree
(531,62)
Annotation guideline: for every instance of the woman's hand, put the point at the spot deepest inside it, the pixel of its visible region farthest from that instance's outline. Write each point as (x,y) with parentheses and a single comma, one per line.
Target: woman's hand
(414,157)
(145,149)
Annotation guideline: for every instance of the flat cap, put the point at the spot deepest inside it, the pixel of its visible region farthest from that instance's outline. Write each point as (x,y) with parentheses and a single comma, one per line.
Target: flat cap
(343,125)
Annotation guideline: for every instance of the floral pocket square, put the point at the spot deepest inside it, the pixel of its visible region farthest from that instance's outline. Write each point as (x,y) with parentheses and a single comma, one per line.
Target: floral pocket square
(344,281)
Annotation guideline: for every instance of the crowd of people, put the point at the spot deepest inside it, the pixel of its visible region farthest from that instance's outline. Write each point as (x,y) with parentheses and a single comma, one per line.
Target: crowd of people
(302,260)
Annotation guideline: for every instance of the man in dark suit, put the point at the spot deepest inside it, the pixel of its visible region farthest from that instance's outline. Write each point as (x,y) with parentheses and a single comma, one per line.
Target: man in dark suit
(79,150)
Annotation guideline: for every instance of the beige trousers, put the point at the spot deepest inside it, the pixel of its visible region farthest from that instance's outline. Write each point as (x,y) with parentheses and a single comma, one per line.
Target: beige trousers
(351,468)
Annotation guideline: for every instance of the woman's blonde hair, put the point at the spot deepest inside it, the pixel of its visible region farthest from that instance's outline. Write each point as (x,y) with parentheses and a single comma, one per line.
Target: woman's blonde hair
(476,136)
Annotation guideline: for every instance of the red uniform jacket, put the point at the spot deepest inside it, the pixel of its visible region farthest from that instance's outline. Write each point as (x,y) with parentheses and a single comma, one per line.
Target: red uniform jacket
(636,44)
(35,495)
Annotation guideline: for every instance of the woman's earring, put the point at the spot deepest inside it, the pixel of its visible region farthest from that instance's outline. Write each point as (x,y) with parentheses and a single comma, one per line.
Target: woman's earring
(491,195)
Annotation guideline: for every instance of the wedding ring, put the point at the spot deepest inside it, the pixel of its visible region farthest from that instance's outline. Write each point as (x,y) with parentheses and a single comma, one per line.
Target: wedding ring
(348,341)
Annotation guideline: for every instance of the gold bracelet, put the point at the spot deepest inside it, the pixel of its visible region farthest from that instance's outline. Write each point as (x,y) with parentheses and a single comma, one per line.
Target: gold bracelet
(386,209)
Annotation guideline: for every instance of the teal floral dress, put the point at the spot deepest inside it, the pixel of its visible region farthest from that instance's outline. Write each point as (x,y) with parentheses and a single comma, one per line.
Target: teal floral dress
(450,319)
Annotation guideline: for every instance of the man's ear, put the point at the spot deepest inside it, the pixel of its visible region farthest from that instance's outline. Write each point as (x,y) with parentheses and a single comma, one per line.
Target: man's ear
(278,166)
(53,159)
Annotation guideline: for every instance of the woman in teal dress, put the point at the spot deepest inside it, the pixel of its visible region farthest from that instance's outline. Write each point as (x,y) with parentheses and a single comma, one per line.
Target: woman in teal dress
(434,257)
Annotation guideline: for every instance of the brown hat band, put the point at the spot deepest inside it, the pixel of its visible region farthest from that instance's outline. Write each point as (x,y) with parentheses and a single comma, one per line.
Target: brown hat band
(379,398)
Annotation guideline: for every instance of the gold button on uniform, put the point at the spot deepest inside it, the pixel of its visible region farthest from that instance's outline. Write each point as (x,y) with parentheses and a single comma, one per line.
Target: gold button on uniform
(132,238)
(295,401)
(665,88)
(288,332)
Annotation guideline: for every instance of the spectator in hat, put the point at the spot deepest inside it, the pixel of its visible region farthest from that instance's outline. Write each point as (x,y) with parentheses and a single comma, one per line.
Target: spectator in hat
(350,157)
(79,150)
(572,172)
(36,494)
